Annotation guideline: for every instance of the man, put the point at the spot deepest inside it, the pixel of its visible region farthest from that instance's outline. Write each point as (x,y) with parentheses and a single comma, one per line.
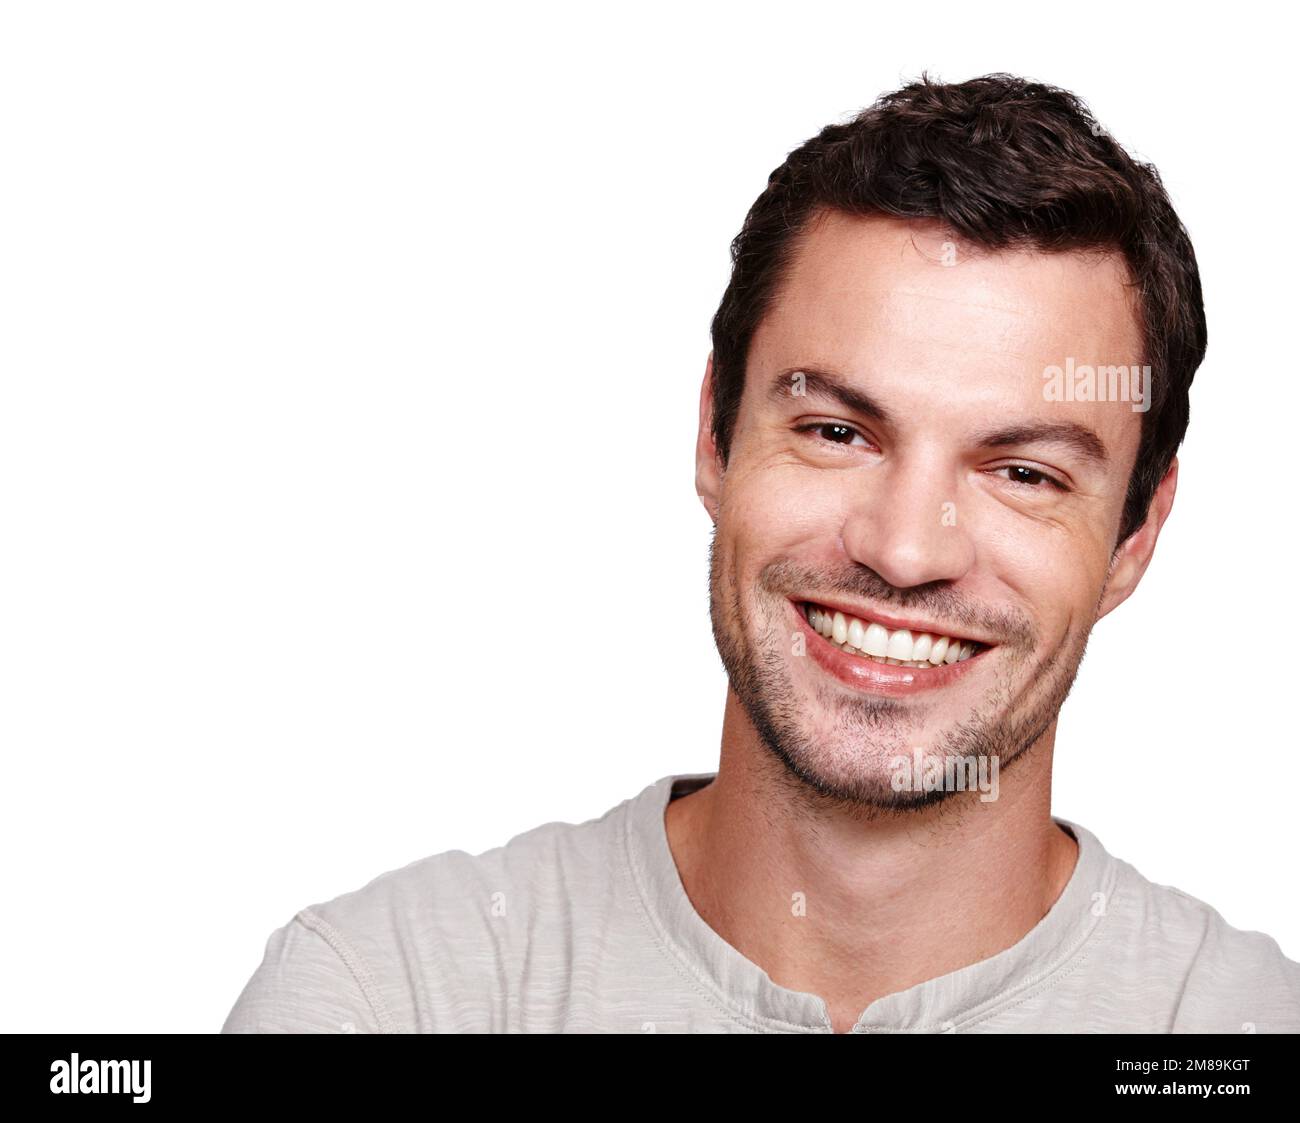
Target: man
(937,441)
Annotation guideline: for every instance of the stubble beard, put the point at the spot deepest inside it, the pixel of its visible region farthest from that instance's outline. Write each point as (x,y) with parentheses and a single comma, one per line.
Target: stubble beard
(835,748)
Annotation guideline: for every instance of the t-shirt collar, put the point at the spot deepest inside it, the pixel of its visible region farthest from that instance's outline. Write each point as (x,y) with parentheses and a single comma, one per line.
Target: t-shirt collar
(949,1003)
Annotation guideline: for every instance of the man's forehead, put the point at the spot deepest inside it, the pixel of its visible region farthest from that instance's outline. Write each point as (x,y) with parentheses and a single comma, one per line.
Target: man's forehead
(911,283)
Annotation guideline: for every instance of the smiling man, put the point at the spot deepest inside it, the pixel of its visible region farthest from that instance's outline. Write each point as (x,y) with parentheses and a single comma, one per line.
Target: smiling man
(918,518)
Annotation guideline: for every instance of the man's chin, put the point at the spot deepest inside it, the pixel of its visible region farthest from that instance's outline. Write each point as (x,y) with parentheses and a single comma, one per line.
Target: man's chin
(900,784)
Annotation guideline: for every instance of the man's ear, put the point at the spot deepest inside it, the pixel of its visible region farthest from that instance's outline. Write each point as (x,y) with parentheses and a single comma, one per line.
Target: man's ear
(708,465)
(1134,554)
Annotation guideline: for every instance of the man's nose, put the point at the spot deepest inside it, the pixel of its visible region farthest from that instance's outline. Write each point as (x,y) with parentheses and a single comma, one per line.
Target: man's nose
(905,522)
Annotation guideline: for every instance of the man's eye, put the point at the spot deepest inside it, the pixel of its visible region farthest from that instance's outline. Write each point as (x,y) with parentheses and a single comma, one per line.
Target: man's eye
(833,431)
(1030,477)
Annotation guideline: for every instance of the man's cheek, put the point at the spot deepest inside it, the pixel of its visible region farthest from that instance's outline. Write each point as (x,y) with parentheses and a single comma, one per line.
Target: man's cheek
(803,510)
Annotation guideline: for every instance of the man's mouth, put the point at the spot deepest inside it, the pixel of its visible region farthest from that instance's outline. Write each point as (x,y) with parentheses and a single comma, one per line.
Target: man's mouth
(895,647)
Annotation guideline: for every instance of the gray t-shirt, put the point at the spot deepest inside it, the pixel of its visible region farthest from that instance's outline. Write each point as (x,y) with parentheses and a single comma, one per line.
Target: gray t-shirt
(572,928)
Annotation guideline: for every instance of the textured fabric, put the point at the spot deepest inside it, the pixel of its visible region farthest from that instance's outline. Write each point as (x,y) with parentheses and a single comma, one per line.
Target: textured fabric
(572,928)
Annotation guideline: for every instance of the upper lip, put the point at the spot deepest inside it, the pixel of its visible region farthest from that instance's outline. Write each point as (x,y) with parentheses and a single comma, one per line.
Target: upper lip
(893,623)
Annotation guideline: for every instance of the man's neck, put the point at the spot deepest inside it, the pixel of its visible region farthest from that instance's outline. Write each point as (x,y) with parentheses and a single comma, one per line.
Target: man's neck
(852,911)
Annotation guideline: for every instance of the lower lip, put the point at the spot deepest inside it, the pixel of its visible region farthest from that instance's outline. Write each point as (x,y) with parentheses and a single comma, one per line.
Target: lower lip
(879,678)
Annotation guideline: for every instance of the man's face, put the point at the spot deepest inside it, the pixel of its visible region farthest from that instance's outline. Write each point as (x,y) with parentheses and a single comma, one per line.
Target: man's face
(940,494)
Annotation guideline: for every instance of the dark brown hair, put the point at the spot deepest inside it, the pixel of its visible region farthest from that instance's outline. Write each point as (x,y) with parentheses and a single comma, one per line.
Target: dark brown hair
(1004,163)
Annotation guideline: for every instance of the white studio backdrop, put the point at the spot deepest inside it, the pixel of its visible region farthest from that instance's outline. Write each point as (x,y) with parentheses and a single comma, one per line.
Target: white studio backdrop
(349,361)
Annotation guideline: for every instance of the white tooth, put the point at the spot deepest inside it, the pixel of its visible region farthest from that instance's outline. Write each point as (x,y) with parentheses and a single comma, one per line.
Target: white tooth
(826,625)
(921,646)
(967,650)
(856,631)
(840,628)
(920,664)
(900,645)
(876,641)
(938,650)
(954,652)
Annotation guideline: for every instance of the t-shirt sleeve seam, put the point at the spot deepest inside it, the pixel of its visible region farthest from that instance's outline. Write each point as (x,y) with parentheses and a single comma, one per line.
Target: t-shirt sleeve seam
(354,962)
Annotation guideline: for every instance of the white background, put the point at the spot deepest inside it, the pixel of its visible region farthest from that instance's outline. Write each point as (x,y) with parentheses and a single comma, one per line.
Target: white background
(349,360)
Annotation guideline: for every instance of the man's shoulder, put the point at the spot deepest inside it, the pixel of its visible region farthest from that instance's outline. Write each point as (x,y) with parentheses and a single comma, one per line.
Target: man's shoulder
(403,951)
(453,885)
(1228,979)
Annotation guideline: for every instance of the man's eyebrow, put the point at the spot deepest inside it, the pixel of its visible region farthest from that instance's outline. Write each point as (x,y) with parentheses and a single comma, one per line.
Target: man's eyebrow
(809,381)
(1070,434)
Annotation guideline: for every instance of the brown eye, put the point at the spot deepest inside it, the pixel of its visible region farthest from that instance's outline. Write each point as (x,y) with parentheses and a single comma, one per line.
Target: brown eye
(833,432)
(1030,477)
